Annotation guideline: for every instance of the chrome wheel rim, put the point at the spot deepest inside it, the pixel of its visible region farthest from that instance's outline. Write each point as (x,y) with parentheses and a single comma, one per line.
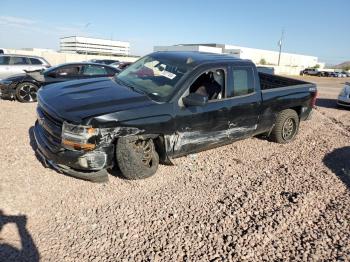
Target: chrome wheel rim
(288,129)
(144,149)
(27,92)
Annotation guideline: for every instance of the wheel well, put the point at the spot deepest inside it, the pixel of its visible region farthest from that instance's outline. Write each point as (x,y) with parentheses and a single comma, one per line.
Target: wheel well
(159,143)
(26,82)
(297,109)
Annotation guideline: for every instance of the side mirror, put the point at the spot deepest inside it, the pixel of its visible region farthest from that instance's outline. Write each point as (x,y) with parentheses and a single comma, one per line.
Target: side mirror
(194,99)
(52,74)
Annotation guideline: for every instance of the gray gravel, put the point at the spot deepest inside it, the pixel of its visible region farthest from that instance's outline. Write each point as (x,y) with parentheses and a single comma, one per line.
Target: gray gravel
(253,200)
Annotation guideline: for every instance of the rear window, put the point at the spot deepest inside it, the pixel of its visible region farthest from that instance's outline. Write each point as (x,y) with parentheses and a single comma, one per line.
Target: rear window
(35,61)
(4,60)
(17,60)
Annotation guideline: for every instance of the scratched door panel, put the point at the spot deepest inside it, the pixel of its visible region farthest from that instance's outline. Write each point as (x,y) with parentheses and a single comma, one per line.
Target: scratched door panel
(243,116)
(199,128)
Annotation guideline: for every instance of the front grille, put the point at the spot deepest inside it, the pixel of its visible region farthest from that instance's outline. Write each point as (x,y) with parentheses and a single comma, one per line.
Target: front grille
(50,129)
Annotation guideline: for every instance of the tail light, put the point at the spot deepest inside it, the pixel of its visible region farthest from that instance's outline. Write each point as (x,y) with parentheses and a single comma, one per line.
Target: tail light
(313,99)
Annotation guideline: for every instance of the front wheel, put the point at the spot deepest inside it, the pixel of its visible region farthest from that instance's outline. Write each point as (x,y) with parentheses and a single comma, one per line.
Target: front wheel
(286,127)
(26,92)
(137,158)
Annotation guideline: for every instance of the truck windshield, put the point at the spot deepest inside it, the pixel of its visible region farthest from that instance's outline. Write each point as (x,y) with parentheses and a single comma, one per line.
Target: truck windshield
(156,77)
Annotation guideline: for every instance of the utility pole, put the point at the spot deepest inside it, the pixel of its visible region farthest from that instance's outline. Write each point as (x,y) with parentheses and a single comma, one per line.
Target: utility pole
(280,46)
(86,45)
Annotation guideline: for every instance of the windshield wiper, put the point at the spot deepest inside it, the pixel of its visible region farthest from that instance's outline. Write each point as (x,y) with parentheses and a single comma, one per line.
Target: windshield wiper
(130,86)
(124,83)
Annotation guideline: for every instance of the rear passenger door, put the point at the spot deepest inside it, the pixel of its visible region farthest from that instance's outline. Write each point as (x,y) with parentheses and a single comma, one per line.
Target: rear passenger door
(243,102)
(18,64)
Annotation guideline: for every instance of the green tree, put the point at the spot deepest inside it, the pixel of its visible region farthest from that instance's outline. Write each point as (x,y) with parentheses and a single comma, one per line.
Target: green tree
(262,61)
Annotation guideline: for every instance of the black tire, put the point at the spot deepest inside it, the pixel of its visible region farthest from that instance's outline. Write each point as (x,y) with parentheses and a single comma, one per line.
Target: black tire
(26,92)
(136,158)
(286,127)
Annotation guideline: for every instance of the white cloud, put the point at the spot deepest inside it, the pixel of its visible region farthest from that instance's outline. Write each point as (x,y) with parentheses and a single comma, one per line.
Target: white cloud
(16,21)
(40,27)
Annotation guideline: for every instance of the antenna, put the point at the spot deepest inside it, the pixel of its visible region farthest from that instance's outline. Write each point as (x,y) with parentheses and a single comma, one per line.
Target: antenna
(280,42)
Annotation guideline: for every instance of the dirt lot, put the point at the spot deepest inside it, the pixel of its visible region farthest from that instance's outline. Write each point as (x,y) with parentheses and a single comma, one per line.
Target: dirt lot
(252,200)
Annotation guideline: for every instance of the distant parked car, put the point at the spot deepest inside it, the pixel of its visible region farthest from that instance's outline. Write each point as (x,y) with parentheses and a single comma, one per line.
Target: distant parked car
(121,65)
(339,74)
(324,73)
(309,71)
(104,61)
(344,96)
(24,87)
(17,64)
(346,74)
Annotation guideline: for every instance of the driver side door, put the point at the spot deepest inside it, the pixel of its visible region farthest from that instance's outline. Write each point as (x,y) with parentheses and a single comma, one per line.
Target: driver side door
(201,127)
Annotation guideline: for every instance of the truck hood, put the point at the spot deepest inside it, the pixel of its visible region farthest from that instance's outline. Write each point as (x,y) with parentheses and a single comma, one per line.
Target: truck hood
(77,100)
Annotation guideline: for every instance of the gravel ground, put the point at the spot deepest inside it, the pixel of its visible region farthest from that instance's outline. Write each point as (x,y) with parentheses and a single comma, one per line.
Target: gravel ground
(252,200)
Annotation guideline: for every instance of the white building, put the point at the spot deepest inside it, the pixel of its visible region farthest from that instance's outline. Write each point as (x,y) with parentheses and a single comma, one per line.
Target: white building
(93,46)
(289,63)
(198,48)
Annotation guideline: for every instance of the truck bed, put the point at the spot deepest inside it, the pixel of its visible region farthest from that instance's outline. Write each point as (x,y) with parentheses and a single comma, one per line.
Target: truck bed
(268,81)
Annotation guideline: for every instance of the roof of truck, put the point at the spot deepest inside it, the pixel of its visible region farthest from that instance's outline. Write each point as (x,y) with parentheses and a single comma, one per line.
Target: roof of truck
(195,58)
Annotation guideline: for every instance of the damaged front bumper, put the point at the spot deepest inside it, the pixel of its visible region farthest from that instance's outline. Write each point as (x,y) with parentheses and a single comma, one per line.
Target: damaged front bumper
(344,101)
(91,165)
(7,90)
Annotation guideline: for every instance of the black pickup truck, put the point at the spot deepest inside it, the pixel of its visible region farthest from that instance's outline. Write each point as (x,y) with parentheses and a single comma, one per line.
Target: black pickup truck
(165,105)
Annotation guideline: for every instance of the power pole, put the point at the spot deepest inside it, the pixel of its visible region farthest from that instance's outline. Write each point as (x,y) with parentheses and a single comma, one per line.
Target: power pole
(280,46)
(86,44)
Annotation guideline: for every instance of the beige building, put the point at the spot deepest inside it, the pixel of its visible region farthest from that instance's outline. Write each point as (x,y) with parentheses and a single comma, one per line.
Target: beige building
(94,46)
(290,64)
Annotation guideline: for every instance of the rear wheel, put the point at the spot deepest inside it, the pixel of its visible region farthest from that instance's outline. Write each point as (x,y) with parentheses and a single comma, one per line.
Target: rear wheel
(26,92)
(137,158)
(286,127)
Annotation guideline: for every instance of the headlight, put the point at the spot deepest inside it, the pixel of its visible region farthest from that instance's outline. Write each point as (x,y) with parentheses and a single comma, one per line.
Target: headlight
(78,137)
(345,92)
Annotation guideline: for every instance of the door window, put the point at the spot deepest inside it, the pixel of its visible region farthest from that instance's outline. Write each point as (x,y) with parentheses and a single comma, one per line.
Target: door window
(211,84)
(35,61)
(92,70)
(67,71)
(17,60)
(243,81)
(4,60)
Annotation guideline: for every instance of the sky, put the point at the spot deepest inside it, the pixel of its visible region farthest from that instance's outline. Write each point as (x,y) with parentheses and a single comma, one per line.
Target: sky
(319,28)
